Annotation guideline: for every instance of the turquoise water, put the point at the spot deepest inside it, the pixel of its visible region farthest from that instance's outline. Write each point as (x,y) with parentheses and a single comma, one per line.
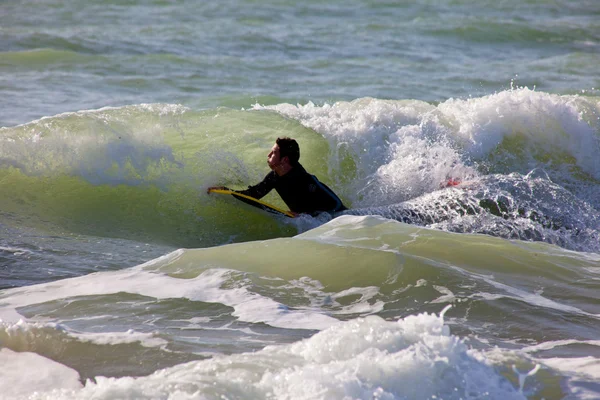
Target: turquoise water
(121,278)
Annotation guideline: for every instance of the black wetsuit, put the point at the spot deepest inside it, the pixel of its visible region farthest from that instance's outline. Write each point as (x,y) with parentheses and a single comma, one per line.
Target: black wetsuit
(301,191)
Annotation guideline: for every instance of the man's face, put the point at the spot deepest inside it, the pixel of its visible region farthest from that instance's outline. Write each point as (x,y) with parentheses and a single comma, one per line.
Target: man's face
(273,158)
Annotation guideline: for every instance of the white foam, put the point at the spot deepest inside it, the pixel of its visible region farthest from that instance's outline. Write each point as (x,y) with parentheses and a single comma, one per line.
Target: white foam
(363,304)
(401,148)
(318,297)
(447,295)
(156,108)
(558,343)
(546,119)
(24,328)
(589,366)
(102,151)
(16,251)
(206,287)
(130,336)
(531,298)
(583,373)
(404,149)
(24,373)
(364,358)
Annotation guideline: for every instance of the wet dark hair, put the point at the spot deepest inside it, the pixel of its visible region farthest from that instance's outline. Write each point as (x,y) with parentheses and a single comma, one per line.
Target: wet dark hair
(289,148)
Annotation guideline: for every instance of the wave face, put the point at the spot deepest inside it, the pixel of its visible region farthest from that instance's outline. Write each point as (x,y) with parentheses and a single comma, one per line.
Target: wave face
(526,162)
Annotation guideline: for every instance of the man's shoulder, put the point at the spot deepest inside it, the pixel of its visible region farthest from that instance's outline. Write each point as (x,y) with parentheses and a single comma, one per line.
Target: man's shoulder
(299,170)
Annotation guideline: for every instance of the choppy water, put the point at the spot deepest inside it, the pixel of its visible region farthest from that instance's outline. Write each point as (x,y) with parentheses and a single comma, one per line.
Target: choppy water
(121,278)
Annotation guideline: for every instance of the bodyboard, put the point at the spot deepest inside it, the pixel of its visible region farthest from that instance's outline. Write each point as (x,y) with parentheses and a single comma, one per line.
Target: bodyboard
(254,202)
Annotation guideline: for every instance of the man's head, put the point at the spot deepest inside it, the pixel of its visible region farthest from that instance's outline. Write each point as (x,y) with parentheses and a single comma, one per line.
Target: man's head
(284,155)
(288,148)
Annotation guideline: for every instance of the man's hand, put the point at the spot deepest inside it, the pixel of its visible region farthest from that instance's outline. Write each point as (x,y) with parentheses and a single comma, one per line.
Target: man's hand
(216,188)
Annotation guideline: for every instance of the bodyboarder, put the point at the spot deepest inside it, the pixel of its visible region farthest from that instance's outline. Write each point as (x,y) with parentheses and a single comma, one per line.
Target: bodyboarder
(301,191)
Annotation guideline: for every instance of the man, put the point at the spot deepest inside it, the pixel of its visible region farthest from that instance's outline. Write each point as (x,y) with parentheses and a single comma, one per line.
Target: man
(302,192)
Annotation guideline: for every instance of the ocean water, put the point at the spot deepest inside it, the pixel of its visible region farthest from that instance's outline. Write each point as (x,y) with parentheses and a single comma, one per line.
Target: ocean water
(120,278)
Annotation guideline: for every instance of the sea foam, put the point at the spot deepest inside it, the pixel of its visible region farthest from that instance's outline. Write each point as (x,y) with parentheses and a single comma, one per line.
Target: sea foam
(366,358)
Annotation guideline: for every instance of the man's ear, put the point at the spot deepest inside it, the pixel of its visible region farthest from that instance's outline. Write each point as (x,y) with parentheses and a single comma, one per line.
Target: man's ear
(286,160)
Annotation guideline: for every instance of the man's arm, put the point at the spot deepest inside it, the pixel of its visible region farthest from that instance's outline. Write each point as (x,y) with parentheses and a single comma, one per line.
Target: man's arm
(257,191)
(216,188)
(261,189)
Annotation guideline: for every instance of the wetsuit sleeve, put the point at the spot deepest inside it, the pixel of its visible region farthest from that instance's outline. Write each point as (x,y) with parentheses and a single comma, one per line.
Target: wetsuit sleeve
(261,189)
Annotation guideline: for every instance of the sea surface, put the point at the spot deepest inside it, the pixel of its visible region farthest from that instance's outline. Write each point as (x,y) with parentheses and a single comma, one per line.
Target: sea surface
(464,137)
